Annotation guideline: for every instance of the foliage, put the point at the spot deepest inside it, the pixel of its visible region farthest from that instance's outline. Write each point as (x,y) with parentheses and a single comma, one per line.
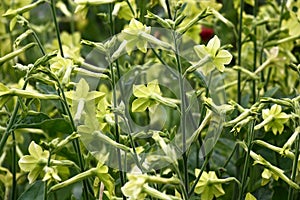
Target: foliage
(149,99)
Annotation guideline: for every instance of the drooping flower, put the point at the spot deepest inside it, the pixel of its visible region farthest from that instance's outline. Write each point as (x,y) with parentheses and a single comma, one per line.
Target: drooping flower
(214,56)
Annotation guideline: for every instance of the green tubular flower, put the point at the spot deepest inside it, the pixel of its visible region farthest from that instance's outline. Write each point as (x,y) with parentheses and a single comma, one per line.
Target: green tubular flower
(51,173)
(213,56)
(131,35)
(143,94)
(267,175)
(63,68)
(276,119)
(133,189)
(206,186)
(81,99)
(35,162)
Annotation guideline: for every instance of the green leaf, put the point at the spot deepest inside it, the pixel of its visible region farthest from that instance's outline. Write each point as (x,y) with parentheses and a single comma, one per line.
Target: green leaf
(51,126)
(140,105)
(35,191)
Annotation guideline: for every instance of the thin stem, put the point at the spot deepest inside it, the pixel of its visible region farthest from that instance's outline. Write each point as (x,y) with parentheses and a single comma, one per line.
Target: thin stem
(113,80)
(230,156)
(283,4)
(254,53)
(46,182)
(239,92)
(130,7)
(14,168)
(11,121)
(250,137)
(199,175)
(142,10)
(38,42)
(295,167)
(53,10)
(116,126)
(183,112)
(261,57)
(76,141)
(169,9)
(239,60)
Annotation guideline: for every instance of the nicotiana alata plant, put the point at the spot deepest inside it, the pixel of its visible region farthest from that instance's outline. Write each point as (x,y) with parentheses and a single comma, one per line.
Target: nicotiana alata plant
(140,99)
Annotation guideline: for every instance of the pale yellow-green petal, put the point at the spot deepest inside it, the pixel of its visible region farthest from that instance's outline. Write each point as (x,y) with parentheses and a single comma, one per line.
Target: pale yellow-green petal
(224,57)
(140,91)
(35,150)
(275,109)
(33,174)
(200,51)
(218,190)
(140,105)
(82,89)
(265,113)
(141,45)
(153,87)
(94,95)
(27,163)
(214,45)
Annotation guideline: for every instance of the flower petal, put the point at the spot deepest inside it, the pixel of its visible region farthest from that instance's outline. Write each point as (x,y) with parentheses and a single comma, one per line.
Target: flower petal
(214,45)
(200,51)
(35,150)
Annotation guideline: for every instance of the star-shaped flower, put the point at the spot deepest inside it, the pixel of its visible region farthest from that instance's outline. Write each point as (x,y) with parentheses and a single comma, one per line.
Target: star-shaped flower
(132,35)
(35,162)
(276,118)
(211,56)
(206,186)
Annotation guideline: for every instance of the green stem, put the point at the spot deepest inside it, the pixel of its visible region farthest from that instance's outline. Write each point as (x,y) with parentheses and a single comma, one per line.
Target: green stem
(239,59)
(76,141)
(250,137)
(230,156)
(130,7)
(295,167)
(283,4)
(254,53)
(11,121)
(113,80)
(168,9)
(142,10)
(182,187)
(53,10)
(46,182)
(183,112)
(38,41)
(191,192)
(239,92)
(116,125)
(14,168)
(261,57)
